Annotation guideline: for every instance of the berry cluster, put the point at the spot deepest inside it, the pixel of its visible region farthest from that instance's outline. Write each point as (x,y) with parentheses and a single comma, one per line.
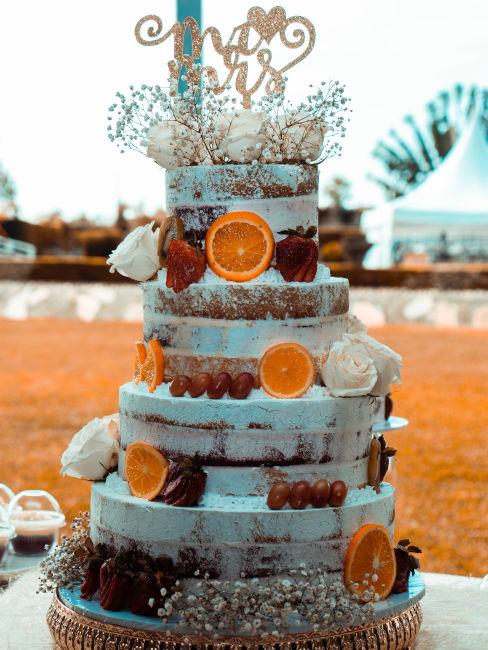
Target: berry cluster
(186,483)
(300,494)
(129,580)
(215,387)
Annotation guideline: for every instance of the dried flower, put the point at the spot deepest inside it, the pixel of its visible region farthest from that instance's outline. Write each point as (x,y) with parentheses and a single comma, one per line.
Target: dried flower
(65,566)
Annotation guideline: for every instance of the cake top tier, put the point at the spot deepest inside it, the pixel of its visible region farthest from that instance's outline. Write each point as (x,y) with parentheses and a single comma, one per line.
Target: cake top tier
(214,183)
(284,195)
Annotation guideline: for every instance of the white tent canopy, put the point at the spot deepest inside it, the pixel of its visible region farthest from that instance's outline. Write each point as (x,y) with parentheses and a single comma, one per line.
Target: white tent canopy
(453,200)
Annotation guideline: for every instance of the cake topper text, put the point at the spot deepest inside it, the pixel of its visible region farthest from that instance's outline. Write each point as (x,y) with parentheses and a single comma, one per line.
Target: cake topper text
(250,39)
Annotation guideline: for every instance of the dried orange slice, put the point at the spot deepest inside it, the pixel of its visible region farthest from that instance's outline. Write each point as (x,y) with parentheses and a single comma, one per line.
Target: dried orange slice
(153,368)
(286,370)
(370,565)
(146,470)
(239,246)
(140,357)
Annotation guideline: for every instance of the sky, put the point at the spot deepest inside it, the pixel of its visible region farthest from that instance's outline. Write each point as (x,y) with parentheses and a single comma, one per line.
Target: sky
(63,62)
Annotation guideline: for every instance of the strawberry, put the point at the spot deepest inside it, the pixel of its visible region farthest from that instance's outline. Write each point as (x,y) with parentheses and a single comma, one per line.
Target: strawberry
(406,564)
(115,582)
(91,582)
(145,598)
(152,585)
(94,557)
(297,255)
(186,483)
(386,454)
(186,264)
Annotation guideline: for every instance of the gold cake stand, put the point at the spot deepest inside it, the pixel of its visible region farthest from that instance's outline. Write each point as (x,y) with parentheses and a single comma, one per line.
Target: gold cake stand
(74,631)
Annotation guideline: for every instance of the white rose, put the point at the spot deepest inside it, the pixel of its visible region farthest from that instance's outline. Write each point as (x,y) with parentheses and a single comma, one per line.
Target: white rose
(355,325)
(348,370)
(172,144)
(302,137)
(136,256)
(387,362)
(94,450)
(242,135)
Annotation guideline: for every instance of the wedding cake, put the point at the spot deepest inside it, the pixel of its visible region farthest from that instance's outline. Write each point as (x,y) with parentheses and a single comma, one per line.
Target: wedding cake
(240,490)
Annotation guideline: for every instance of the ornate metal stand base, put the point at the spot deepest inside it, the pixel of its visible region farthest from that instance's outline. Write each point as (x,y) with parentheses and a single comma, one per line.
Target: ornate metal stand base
(74,631)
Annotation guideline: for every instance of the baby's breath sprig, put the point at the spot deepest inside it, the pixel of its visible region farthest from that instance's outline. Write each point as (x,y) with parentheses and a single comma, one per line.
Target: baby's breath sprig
(203,128)
(264,606)
(302,598)
(64,567)
(294,129)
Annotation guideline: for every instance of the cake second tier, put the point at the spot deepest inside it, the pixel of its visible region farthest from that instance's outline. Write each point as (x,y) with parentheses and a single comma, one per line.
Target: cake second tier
(217,326)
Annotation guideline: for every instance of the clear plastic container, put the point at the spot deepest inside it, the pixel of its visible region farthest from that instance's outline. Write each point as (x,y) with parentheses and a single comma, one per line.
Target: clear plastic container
(37,518)
(6,495)
(6,534)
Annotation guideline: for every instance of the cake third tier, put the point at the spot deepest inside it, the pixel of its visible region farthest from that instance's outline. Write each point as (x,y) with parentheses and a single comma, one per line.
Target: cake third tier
(246,445)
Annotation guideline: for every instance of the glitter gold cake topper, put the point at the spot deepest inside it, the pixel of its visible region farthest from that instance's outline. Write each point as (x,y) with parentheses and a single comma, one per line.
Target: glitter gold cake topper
(249,39)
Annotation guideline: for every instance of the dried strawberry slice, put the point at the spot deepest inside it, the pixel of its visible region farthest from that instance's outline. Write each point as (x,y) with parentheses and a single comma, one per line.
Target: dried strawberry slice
(186,265)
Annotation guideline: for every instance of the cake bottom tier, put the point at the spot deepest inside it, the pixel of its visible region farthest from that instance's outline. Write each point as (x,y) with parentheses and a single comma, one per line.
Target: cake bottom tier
(231,537)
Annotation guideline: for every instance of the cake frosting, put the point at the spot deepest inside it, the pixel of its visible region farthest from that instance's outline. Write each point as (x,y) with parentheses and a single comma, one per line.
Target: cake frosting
(214,326)
(331,434)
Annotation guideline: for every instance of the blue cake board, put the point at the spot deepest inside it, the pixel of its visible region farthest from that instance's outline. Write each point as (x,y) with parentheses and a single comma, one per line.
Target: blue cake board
(392,424)
(70,597)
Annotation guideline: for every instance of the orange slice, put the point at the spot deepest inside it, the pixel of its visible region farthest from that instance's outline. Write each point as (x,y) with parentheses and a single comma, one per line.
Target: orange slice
(146,470)
(239,246)
(140,357)
(153,368)
(286,370)
(370,565)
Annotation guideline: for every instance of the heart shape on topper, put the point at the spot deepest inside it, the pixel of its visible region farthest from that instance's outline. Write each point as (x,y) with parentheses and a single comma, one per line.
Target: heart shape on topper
(267,25)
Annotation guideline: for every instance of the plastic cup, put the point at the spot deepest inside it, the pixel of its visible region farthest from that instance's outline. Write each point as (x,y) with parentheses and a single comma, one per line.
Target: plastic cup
(6,533)
(36,518)
(6,495)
